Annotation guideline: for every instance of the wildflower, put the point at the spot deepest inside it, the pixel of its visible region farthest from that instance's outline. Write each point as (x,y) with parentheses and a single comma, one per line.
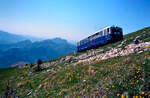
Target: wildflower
(131,83)
(47,95)
(137,81)
(134,76)
(136,96)
(113,86)
(106,79)
(106,89)
(139,69)
(69,79)
(143,63)
(118,94)
(142,93)
(122,96)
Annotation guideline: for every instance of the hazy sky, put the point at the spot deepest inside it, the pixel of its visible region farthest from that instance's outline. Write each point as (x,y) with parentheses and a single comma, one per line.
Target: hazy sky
(72,19)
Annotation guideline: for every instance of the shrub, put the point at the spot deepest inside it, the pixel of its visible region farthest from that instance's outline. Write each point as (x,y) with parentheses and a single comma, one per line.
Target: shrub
(38,68)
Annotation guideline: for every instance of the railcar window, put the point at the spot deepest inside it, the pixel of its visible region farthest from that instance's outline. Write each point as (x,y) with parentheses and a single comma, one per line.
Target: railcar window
(108,30)
(86,40)
(90,38)
(96,36)
(101,33)
(105,32)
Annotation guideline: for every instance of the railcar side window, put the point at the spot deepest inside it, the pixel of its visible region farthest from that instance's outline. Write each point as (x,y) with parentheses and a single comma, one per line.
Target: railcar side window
(98,34)
(90,38)
(105,32)
(101,33)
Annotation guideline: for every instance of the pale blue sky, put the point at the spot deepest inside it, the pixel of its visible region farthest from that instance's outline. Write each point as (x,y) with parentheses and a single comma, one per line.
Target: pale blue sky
(72,19)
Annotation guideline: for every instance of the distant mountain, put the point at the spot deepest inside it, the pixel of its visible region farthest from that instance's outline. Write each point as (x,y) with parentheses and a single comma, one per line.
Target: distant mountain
(9,38)
(21,44)
(27,51)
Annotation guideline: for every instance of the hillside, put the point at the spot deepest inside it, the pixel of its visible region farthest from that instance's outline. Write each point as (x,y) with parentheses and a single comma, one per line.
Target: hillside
(112,71)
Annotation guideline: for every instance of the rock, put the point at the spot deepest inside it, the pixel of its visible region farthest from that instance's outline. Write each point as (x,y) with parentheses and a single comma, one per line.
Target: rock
(30,73)
(84,80)
(92,69)
(49,70)
(137,37)
(68,58)
(29,93)
(20,64)
(140,51)
(61,60)
(131,48)
(83,56)
(122,43)
(44,65)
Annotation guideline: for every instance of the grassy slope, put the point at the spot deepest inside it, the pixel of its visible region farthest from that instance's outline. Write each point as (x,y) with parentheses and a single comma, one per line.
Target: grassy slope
(127,74)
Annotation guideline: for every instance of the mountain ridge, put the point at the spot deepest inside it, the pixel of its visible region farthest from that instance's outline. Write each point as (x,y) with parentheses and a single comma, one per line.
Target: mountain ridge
(10,38)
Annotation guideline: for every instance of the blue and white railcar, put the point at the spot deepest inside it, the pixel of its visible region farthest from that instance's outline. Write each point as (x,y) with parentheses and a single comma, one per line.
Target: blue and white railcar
(107,35)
